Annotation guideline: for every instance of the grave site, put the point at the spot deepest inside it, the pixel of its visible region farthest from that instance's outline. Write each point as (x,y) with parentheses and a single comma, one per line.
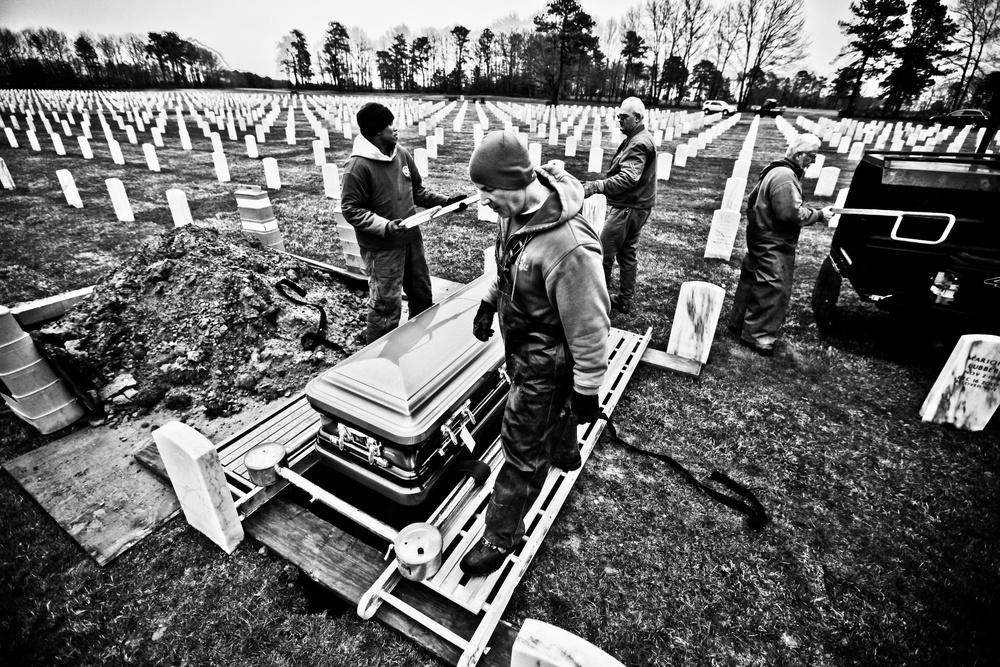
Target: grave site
(179,262)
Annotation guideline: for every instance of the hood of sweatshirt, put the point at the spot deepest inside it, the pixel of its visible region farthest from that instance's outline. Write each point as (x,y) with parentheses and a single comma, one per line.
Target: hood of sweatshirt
(563,203)
(366,149)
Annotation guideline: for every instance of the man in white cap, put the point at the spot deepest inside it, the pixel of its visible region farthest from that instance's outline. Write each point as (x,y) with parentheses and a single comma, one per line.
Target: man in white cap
(775,216)
(630,187)
(552,304)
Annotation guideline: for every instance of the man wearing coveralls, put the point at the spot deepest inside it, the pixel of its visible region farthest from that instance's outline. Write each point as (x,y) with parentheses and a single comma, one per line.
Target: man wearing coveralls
(630,187)
(774,221)
(553,310)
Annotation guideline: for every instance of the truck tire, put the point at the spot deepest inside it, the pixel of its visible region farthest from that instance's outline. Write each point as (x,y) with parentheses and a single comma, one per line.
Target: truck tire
(826,291)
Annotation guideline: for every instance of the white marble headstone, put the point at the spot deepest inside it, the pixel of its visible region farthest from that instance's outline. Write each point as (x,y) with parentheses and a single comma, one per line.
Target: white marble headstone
(967,391)
(695,319)
(722,234)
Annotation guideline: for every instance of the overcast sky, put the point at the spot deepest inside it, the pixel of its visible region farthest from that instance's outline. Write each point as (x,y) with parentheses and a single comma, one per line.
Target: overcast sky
(246,32)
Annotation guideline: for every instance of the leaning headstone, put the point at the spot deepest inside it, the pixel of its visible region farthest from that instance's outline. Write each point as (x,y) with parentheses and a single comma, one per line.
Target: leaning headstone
(595,210)
(695,318)
(827,182)
(331,181)
(722,234)
(221,166)
(179,209)
(664,162)
(85,148)
(69,188)
(967,391)
(11,139)
(732,199)
(271,176)
(596,160)
(5,178)
(116,152)
(33,140)
(539,644)
(123,209)
(196,473)
(216,142)
(57,144)
(150,152)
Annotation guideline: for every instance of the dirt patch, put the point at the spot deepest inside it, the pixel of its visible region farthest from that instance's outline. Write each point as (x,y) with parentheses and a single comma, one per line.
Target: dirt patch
(194,322)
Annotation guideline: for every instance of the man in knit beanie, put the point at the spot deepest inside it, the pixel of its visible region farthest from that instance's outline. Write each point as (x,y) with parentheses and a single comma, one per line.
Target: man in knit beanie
(775,216)
(553,308)
(630,187)
(382,187)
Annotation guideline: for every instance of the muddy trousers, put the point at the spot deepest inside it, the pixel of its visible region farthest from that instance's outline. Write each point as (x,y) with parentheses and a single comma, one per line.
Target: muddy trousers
(620,241)
(390,273)
(537,429)
(765,287)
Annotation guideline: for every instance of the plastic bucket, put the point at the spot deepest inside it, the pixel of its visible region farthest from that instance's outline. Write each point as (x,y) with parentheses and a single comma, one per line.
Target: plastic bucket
(10,330)
(29,378)
(17,355)
(52,421)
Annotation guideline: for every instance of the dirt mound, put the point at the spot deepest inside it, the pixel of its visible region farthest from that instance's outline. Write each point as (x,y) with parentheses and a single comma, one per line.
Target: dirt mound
(194,322)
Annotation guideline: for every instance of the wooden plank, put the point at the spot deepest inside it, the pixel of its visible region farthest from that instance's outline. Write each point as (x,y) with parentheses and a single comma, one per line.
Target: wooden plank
(671,362)
(92,486)
(49,308)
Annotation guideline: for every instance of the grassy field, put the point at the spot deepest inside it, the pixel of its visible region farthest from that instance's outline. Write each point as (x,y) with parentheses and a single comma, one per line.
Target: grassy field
(884,542)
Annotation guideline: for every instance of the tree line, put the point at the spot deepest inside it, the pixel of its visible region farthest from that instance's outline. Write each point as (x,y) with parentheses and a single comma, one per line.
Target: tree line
(900,54)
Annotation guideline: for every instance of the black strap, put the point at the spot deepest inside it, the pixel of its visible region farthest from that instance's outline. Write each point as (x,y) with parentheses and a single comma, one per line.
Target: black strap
(310,340)
(752,508)
(477,470)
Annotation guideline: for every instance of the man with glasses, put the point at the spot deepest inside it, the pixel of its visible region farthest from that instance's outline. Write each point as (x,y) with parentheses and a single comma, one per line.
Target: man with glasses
(630,187)
(382,187)
(775,215)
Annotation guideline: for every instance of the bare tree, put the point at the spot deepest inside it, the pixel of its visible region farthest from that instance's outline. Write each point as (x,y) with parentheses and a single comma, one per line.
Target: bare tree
(659,13)
(772,35)
(610,41)
(724,36)
(362,57)
(978,31)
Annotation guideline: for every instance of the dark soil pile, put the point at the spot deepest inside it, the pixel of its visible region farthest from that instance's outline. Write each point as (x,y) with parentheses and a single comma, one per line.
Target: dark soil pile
(194,322)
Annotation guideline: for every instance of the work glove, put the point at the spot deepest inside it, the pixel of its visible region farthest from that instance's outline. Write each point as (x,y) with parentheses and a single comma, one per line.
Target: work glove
(482,325)
(455,200)
(395,228)
(590,188)
(586,407)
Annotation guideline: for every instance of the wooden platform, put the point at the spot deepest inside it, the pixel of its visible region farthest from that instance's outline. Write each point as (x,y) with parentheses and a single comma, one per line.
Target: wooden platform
(454,616)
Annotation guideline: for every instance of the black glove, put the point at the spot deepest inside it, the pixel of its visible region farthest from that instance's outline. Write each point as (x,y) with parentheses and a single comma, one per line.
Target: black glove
(590,189)
(482,325)
(586,407)
(395,228)
(455,200)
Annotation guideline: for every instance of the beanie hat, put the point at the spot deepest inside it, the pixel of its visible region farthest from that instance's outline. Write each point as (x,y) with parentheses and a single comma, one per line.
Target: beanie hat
(373,118)
(501,162)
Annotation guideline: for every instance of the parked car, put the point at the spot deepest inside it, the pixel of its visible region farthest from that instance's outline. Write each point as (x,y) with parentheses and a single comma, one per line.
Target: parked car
(962,117)
(918,237)
(718,106)
(769,108)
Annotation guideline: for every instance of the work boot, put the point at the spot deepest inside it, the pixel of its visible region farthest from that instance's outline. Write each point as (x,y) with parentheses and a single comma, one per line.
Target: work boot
(619,304)
(483,558)
(569,464)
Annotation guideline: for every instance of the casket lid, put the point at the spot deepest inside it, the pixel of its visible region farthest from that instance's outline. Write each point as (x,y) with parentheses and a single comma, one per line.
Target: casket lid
(404,385)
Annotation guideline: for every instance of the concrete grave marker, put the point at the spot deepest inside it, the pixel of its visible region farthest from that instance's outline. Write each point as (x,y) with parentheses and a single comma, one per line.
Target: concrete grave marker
(722,234)
(130,134)
(733,197)
(596,160)
(119,199)
(11,139)
(179,209)
(57,144)
(827,182)
(570,146)
(5,178)
(319,153)
(221,166)
(535,154)
(68,186)
(741,169)
(431,146)
(695,319)
(331,181)
(33,140)
(196,474)
(681,156)
(150,152)
(271,176)
(967,391)
(420,158)
(664,162)
(116,152)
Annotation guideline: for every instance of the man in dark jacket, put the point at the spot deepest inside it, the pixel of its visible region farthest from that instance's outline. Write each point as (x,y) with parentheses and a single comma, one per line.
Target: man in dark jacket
(630,187)
(382,187)
(553,312)
(775,216)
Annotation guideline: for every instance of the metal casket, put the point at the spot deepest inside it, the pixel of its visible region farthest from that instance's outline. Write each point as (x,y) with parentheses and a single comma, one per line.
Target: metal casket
(400,412)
